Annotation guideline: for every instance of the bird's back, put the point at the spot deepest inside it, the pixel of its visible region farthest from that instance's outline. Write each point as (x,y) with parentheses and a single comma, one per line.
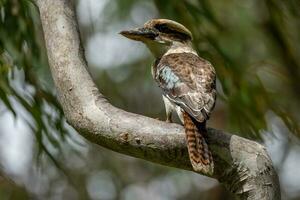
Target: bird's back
(188,81)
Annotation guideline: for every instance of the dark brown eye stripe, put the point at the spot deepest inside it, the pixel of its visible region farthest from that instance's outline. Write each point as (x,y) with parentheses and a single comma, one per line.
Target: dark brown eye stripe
(163,28)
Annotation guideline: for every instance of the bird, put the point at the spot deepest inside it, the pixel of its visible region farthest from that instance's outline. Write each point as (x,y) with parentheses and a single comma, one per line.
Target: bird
(188,83)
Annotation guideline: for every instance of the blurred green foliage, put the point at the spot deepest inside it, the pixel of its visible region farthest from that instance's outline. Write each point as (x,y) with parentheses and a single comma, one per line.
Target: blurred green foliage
(10,190)
(254,46)
(22,54)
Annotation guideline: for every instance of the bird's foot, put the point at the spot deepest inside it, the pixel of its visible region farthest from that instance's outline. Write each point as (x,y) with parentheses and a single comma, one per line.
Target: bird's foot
(169,120)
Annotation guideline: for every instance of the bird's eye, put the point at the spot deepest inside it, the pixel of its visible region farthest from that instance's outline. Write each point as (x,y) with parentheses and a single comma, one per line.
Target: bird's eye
(163,28)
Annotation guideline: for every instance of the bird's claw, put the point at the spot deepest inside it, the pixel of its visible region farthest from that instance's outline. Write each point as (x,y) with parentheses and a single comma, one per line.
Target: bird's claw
(169,120)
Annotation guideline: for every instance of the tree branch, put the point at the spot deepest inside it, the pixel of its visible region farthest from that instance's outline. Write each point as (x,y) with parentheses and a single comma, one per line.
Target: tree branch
(243,166)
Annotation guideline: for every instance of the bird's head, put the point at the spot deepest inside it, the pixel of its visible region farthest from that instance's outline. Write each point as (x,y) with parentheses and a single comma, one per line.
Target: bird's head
(160,35)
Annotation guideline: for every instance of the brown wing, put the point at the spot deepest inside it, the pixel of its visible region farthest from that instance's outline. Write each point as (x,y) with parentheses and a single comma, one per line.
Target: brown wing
(188,81)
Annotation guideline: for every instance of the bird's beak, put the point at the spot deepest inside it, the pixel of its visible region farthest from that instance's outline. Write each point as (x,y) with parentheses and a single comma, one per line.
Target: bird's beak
(140,34)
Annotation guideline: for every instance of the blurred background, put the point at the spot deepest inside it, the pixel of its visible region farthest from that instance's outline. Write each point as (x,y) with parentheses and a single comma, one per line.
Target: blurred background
(254,46)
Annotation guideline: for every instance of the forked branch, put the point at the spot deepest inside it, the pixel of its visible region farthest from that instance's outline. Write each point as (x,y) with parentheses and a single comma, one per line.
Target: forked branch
(243,166)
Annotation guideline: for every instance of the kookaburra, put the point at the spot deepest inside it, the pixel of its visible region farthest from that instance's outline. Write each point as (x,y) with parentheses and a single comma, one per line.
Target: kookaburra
(188,83)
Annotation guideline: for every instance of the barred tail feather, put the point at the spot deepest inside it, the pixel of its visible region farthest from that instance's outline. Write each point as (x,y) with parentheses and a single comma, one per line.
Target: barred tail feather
(199,153)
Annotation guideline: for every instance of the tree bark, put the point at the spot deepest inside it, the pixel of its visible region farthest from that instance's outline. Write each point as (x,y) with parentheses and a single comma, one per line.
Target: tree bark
(243,166)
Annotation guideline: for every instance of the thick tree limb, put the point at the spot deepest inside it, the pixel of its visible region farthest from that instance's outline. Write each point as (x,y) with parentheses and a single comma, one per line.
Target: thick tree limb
(243,166)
